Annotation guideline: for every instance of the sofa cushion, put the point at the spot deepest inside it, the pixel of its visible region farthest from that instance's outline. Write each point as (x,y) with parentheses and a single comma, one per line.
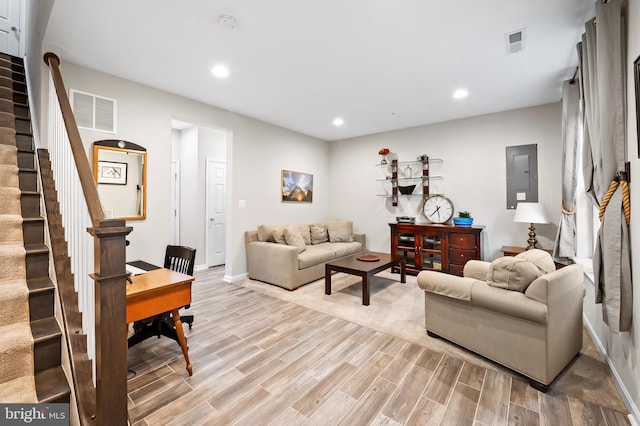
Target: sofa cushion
(305,231)
(512,273)
(278,234)
(293,238)
(340,232)
(319,234)
(345,249)
(265,232)
(540,258)
(315,254)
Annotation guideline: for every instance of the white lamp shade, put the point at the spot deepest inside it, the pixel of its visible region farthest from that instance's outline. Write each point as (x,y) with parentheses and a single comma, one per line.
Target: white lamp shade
(531,213)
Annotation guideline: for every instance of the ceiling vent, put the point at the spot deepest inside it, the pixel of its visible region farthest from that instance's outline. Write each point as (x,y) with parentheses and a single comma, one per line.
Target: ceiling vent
(514,41)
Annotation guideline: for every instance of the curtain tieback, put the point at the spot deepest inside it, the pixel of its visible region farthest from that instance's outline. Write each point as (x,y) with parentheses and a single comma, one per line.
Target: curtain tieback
(626,204)
(568,212)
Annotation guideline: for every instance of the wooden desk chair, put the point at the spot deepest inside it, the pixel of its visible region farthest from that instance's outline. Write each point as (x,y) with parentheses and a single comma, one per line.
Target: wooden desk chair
(180,259)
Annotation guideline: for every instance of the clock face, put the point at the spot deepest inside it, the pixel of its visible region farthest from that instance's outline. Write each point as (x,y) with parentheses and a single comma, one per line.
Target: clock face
(438,209)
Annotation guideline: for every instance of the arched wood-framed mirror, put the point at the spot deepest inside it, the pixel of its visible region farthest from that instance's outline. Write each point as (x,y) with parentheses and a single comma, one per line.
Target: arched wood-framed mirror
(120,172)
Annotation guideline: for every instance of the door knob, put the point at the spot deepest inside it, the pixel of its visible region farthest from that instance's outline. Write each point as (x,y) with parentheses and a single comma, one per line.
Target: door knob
(211,219)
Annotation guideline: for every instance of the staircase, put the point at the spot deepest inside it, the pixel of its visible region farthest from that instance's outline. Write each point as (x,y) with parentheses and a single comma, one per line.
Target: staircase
(51,385)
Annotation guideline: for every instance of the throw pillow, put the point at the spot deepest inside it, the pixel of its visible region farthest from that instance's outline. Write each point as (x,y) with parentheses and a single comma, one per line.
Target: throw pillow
(305,231)
(540,258)
(293,238)
(318,234)
(340,232)
(278,234)
(265,232)
(512,273)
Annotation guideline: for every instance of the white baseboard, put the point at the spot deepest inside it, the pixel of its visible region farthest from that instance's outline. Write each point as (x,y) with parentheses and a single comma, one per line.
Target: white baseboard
(634,413)
(199,267)
(234,278)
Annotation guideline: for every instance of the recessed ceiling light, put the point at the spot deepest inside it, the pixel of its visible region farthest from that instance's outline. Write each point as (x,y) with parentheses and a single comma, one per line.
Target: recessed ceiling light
(228,21)
(460,93)
(220,71)
(338,122)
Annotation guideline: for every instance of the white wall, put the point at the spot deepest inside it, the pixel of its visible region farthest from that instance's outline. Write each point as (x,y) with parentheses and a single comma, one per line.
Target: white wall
(623,350)
(257,154)
(473,167)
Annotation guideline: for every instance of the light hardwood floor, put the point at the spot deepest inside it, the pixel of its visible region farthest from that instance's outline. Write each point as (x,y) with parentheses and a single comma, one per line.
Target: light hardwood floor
(259,360)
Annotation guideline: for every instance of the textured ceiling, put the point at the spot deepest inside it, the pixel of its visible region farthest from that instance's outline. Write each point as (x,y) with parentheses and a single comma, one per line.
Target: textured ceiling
(379,64)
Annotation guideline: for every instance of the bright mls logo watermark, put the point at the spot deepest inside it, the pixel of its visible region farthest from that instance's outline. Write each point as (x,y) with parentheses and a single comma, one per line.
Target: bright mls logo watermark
(34,414)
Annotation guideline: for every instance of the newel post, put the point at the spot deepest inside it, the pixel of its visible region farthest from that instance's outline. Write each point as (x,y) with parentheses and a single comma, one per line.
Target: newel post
(110,313)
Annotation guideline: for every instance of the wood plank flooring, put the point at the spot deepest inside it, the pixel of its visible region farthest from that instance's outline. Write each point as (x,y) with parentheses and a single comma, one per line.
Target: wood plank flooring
(259,360)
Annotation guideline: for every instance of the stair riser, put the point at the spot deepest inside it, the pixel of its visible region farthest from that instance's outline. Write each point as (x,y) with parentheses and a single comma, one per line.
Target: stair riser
(37,265)
(28,181)
(26,160)
(23,126)
(24,142)
(41,304)
(33,232)
(30,205)
(21,111)
(20,98)
(46,354)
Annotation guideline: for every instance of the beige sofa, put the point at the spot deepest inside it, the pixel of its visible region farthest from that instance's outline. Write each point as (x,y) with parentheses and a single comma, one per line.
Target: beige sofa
(292,255)
(518,311)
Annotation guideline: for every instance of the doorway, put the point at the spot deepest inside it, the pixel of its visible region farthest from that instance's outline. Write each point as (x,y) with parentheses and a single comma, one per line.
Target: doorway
(199,195)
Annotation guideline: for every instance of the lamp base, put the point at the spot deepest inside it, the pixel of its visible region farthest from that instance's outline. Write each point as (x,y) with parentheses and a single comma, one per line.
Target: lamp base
(532,238)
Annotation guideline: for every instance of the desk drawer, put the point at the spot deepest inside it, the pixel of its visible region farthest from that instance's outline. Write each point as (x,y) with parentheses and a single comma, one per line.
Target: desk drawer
(467,241)
(460,257)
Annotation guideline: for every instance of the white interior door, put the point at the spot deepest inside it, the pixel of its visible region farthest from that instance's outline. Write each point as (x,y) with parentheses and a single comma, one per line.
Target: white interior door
(216,212)
(175,203)
(10,27)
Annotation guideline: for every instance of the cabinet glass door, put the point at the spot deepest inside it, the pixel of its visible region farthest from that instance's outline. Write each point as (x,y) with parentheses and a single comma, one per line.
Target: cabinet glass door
(431,252)
(406,246)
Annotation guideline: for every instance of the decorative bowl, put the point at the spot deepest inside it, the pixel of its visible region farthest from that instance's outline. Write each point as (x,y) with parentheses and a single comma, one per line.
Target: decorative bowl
(406,190)
(462,221)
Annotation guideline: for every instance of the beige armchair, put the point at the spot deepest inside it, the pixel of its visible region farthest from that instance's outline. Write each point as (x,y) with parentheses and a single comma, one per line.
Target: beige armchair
(518,311)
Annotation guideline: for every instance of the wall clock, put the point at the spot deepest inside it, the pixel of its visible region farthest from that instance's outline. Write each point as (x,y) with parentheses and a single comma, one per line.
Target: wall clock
(438,208)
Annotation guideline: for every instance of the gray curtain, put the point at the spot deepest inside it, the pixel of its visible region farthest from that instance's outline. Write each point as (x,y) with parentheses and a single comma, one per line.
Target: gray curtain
(602,68)
(565,244)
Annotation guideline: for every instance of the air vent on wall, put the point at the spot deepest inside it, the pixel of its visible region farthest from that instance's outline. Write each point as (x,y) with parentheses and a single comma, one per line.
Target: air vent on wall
(94,112)
(514,41)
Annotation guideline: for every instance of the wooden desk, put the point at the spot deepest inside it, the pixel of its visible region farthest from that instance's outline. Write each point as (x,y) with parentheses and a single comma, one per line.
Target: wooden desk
(158,291)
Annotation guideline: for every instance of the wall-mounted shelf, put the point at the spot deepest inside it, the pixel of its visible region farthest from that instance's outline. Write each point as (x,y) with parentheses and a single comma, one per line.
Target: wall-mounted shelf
(405,173)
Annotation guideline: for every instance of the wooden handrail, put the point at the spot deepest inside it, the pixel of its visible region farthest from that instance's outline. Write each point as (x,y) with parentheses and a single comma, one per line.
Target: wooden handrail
(110,278)
(77,148)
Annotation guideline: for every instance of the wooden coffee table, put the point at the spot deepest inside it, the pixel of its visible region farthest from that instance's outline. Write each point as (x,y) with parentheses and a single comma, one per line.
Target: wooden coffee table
(351,265)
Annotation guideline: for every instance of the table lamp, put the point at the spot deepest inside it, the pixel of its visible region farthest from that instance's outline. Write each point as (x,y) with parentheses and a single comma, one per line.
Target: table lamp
(531,213)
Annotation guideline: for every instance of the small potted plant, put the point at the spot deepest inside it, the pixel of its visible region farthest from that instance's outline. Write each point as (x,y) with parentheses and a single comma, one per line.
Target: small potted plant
(464,219)
(384,152)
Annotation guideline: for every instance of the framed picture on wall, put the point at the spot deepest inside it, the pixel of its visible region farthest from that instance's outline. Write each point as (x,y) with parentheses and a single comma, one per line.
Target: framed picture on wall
(636,75)
(297,187)
(112,173)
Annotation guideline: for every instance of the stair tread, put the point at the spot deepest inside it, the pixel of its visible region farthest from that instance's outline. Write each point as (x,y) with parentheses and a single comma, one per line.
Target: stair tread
(52,385)
(44,329)
(37,285)
(36,248)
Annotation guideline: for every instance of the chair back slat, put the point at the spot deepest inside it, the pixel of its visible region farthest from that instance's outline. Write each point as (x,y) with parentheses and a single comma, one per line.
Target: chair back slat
(180,259)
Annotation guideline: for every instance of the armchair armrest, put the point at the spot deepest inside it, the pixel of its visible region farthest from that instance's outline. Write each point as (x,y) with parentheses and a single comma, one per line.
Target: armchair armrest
(361,238)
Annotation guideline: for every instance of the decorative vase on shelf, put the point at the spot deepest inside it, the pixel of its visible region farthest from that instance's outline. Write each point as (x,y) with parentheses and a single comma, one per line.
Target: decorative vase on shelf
(384,160)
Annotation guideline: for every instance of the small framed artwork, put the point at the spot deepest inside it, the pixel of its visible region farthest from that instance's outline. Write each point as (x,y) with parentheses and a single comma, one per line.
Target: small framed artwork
(636,75)
(297,187)
(112,173)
